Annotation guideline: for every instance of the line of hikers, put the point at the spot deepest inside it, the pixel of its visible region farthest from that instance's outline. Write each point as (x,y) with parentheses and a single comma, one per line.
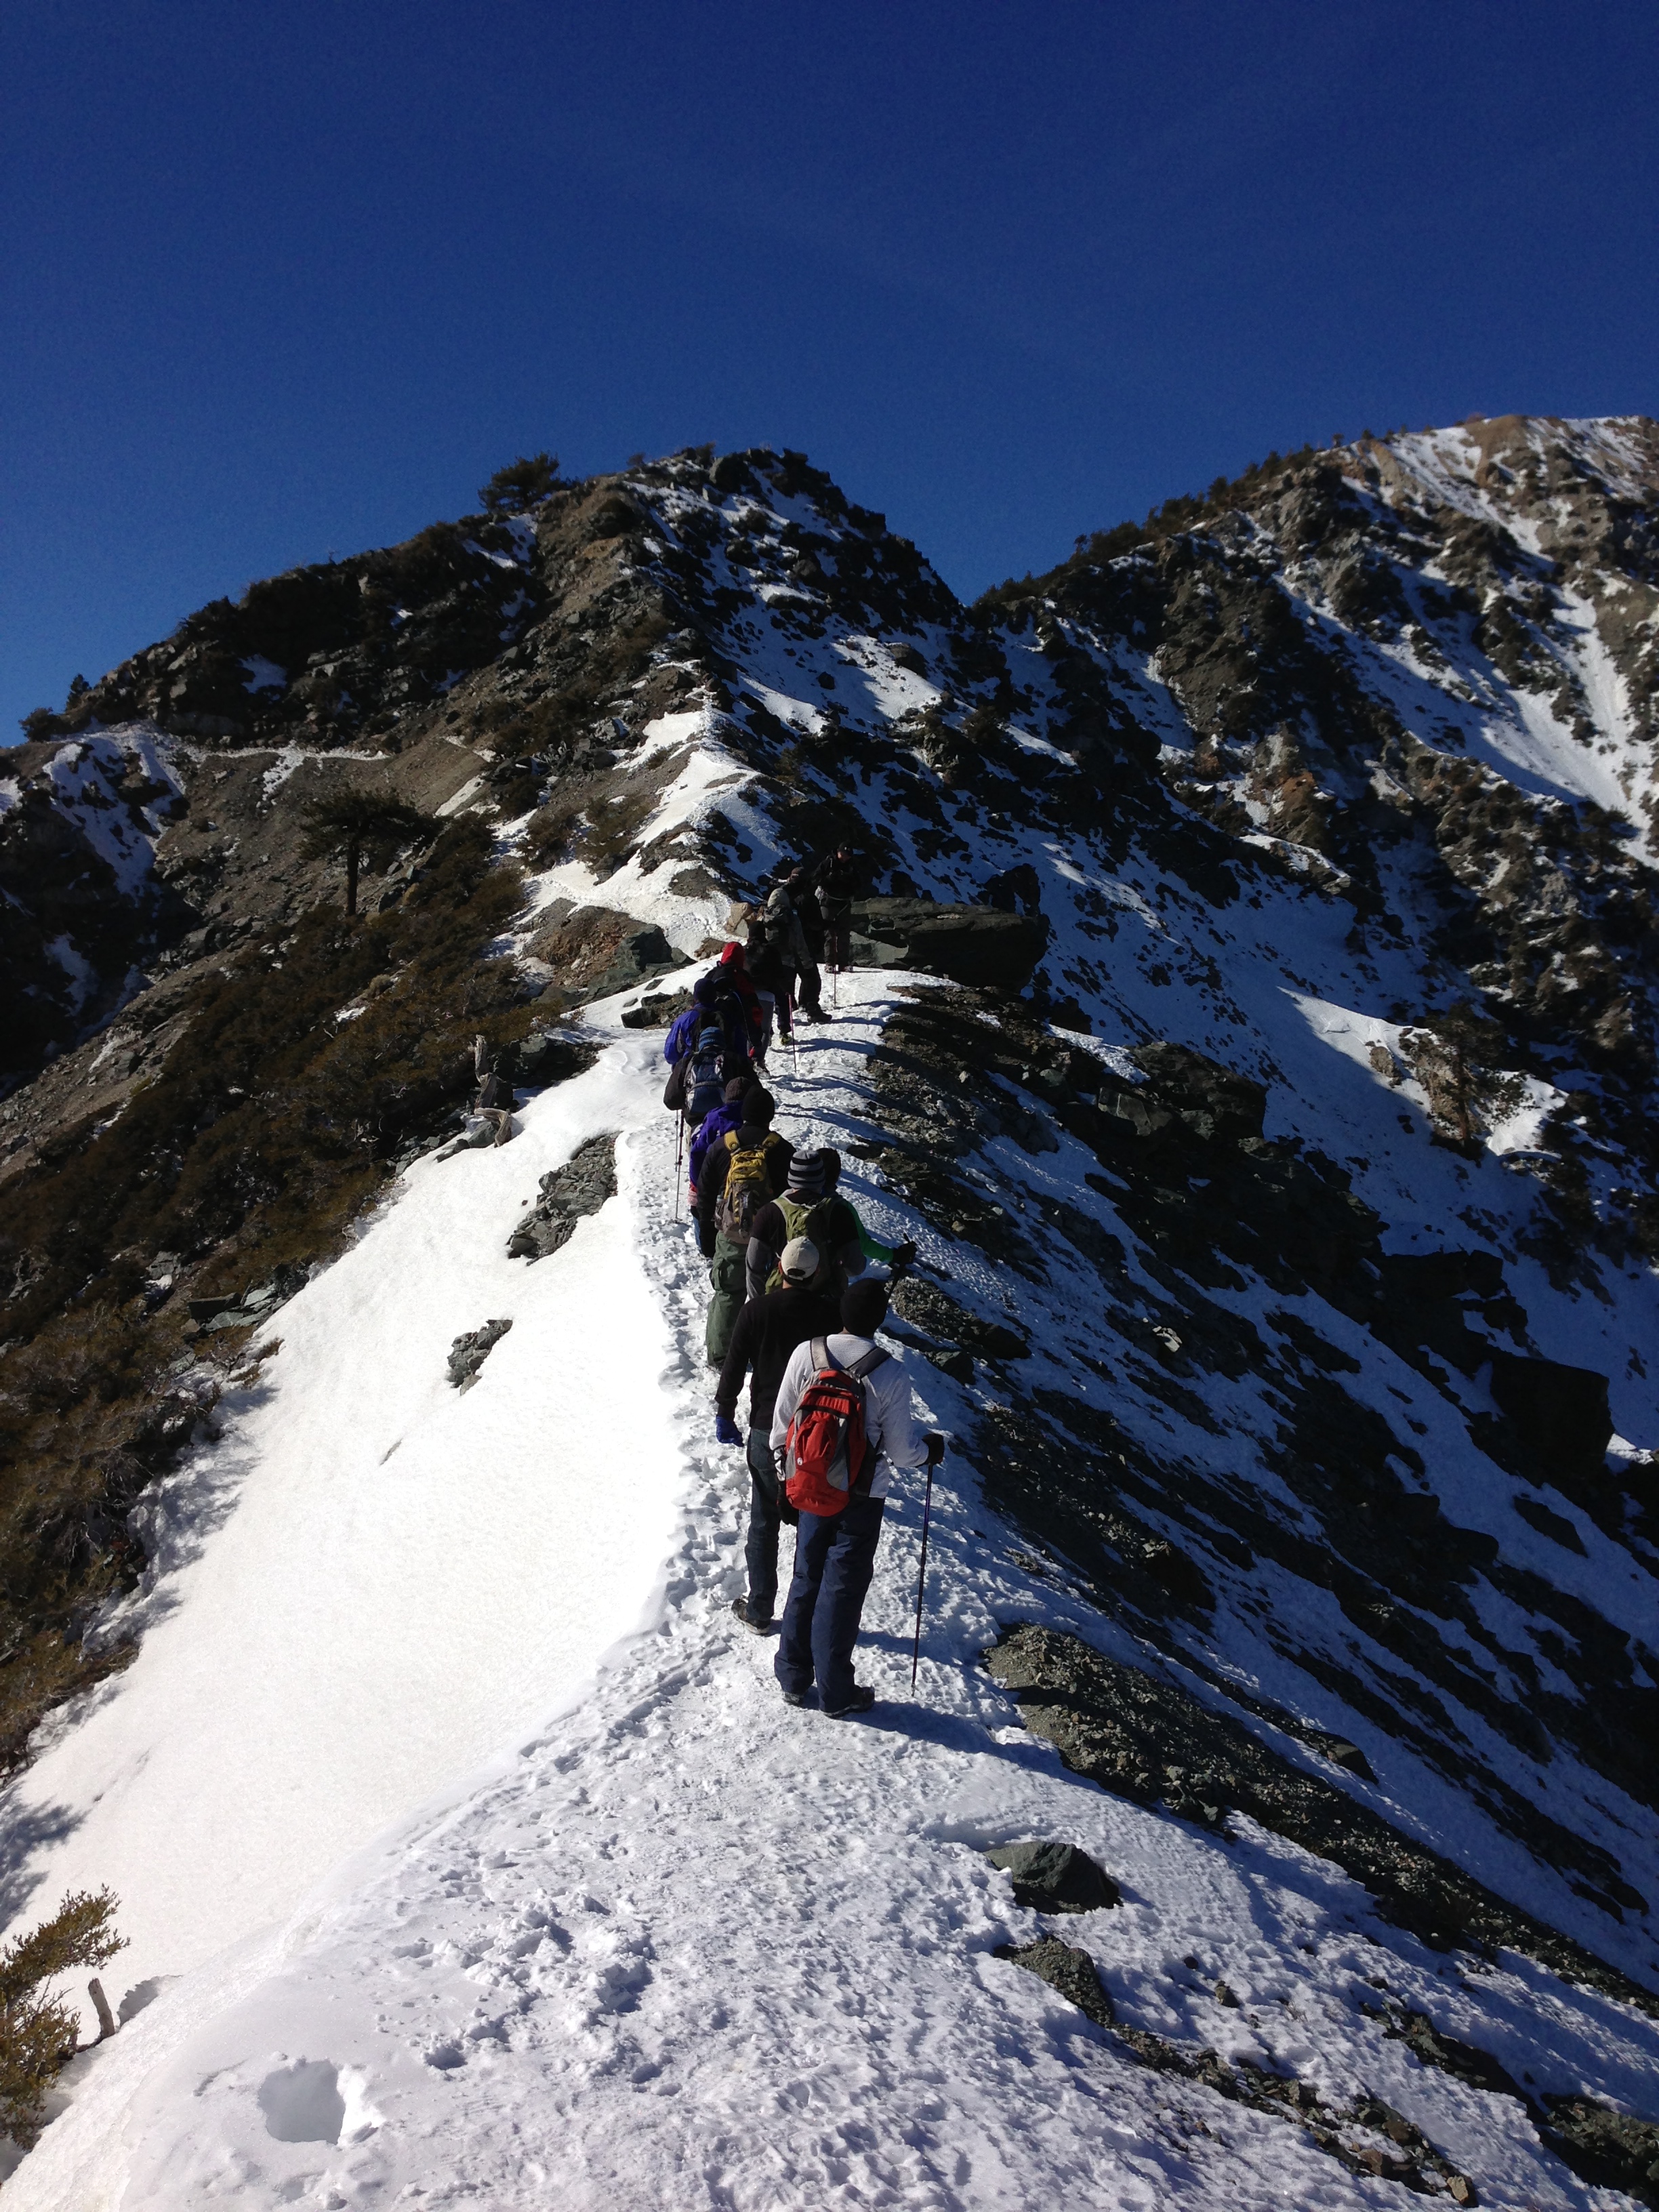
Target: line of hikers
(792,1310)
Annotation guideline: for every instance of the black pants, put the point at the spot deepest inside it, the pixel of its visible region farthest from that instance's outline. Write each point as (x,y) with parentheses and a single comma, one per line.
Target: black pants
(767,1508)
(835,1560)
(809,988)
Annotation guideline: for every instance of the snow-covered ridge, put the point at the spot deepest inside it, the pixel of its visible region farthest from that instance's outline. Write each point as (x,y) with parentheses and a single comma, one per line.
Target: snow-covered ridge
(1247,1451)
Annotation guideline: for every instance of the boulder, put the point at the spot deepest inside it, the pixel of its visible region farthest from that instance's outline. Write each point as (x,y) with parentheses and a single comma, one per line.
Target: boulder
(1054,1877)
(658,1010)
(976,945)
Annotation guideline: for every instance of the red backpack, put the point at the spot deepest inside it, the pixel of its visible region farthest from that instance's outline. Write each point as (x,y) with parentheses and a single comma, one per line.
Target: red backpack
(826,1455)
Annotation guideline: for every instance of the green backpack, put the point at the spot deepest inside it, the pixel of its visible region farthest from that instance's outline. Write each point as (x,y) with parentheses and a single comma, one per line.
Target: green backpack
(812,1218)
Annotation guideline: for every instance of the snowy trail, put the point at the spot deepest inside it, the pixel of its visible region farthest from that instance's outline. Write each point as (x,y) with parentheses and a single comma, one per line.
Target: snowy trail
(688,1947)
(372,1581)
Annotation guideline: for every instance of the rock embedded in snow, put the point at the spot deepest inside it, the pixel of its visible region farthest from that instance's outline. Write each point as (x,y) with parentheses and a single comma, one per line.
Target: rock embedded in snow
(568,1194)
(468,1353)
(1073,1972)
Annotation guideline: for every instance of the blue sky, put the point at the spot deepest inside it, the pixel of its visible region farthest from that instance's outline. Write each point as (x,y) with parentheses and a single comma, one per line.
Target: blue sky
(294,280)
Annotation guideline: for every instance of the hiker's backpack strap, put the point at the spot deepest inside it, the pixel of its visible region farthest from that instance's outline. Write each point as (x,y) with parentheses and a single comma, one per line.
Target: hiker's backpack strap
(730,1141)
(872,1359)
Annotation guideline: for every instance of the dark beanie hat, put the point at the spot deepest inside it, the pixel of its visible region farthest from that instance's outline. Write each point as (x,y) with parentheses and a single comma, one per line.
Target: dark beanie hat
(863,1308)
(758,1106)
(738,1087)
(806,1174)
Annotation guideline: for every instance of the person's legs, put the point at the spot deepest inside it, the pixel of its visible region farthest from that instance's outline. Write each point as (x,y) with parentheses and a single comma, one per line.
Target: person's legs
(761,1552)
(810,992)
(843,1586)
(768,1017)
(729,1291)
(785,999)
(794,1663)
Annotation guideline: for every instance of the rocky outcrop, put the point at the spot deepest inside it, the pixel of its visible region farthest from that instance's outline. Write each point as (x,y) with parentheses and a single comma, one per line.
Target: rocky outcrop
(984,945)
(1145,1738)
(592,951)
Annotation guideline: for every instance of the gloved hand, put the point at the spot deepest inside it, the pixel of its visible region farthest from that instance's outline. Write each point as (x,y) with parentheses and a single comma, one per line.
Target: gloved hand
(935,1449)
(726,1431)
(904,1255)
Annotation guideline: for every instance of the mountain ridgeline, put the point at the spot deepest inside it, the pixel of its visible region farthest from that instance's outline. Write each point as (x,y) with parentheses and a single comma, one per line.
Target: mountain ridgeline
(1298,1195)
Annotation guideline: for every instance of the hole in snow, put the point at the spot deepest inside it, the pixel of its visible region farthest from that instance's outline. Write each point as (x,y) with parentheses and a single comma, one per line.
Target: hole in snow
(302,2103)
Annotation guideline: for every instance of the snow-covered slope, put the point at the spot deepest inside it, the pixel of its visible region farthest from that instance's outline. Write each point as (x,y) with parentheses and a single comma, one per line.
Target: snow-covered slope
(1302,1375)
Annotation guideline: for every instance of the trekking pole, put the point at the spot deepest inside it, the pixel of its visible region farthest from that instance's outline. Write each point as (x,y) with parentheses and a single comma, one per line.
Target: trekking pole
(679,1147)
(921,1579)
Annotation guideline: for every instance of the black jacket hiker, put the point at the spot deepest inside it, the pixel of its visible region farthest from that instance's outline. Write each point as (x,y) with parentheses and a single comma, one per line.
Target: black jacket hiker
(769,1330)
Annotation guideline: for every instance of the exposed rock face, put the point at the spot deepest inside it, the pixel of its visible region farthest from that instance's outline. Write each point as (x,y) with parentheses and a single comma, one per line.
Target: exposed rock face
(1148,1739)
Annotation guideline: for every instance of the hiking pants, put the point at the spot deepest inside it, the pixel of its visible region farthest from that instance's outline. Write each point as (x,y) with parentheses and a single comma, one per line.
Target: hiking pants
(835,1560)
(769,1018)
(809,989)
(837,944)
(730,1292)
(765,1514)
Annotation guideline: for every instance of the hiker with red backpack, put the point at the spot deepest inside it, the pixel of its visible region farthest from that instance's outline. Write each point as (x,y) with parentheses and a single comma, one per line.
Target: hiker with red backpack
(842,1421)
(741,1171)
(769,1329)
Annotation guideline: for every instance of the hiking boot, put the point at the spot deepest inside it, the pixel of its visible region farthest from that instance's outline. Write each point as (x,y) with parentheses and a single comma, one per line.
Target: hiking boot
(740,1606)
(794,1697)
(862,1699)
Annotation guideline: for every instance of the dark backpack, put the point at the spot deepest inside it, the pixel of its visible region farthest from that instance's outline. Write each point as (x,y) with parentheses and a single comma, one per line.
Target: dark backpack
(828,1456)
(706,1078)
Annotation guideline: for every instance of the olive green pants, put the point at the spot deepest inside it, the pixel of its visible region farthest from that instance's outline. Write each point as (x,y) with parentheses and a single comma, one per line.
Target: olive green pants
(726,1276)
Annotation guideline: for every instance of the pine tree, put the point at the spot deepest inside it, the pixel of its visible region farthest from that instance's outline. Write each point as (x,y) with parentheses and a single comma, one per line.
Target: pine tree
(520,485)
(1454,1055)
(355,821)
(38,2030)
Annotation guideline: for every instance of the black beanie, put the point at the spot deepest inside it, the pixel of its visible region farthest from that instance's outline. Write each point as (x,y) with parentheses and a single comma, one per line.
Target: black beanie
(738,1087)
(758,1106)
(863,1308)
